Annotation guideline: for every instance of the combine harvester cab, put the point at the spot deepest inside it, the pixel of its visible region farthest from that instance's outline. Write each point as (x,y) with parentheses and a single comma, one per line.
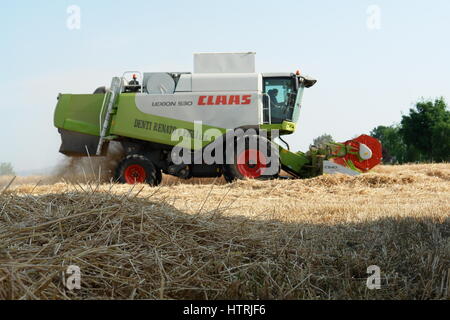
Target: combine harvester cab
(221,119)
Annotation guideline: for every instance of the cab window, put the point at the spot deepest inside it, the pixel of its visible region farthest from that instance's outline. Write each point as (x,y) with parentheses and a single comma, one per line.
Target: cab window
(279,97)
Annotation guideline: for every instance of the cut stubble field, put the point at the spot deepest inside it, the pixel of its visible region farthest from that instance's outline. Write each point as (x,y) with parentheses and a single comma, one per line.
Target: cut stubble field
(278,239)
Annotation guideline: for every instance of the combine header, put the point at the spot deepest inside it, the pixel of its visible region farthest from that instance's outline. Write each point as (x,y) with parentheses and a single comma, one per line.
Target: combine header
(222,119)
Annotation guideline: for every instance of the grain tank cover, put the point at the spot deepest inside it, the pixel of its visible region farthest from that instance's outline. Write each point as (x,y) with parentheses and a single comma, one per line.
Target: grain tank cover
(243,62)
(159,83)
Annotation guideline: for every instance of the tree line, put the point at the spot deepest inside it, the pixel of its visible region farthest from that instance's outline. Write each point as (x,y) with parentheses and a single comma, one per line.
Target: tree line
(423,135)
(6,169)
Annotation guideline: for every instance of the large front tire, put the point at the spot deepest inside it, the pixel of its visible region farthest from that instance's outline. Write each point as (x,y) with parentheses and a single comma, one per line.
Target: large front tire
(256,158)
(135,169)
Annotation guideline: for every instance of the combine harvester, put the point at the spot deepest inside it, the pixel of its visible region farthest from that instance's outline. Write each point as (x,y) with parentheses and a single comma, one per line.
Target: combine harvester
(222,119)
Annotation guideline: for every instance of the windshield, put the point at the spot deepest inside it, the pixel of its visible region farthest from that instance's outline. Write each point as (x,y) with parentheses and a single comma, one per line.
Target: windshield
(280,99)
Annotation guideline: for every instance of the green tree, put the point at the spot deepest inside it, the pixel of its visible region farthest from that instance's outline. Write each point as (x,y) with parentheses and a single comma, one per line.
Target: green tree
(425,131)
(394,149)
(6,169)
(322,140)
(441,141)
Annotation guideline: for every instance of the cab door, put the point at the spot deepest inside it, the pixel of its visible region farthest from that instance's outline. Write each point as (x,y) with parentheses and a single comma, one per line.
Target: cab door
(279,95)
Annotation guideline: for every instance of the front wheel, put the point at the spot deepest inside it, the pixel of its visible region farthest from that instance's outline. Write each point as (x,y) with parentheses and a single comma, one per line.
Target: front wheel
(135,169)
(254,157)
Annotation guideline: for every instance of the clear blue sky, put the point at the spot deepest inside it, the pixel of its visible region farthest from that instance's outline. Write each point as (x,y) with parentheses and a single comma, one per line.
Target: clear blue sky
(366,77)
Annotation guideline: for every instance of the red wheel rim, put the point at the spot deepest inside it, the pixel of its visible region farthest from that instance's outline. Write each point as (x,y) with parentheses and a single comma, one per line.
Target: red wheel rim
(251,163)
(135,174)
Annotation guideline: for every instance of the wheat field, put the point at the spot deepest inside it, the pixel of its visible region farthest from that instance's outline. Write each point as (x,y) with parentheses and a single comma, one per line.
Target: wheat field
(204,239)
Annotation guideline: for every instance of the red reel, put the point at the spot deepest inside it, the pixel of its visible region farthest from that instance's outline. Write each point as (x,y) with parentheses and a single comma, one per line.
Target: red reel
(357,152)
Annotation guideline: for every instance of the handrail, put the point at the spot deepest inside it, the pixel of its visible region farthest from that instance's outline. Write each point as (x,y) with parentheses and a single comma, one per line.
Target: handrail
(269,108)
(108,91)
(114,90)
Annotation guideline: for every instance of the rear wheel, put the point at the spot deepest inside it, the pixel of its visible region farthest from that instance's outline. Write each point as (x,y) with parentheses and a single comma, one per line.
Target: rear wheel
(252,160)
(136,169)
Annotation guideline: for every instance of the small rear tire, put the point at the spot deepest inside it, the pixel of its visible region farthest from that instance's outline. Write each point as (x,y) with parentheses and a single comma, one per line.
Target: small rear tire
(135,169)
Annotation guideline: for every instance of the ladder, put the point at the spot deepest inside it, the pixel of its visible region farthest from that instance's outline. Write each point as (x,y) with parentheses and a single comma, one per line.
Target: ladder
(109,101)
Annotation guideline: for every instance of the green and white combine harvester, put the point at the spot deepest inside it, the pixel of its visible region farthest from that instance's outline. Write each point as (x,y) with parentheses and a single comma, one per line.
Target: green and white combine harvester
(222,119)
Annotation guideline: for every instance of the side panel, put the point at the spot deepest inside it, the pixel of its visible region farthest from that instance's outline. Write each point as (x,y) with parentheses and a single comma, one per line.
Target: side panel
(224,62)
(79,113)
(227,110)
(217,82)
(156,117)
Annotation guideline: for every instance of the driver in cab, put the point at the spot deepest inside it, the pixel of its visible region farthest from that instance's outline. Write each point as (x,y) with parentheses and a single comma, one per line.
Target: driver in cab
(273,93)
